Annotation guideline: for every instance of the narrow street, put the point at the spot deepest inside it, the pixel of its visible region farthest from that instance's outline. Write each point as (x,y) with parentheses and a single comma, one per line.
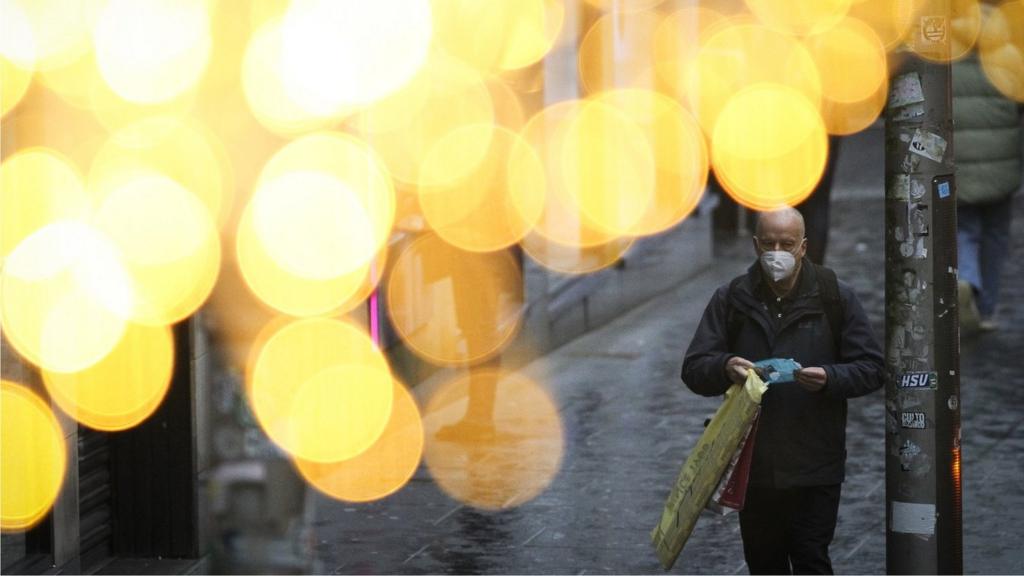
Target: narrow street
(629,423)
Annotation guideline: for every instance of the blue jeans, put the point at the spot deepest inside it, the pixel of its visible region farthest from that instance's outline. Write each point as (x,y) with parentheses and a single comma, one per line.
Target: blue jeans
(983,239)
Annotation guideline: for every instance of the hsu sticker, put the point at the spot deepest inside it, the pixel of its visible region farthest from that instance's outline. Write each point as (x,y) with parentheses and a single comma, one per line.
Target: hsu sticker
(912,420)
(918,380)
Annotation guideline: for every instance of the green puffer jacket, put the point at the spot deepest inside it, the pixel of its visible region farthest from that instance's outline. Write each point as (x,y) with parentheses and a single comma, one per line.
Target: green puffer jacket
(987,137)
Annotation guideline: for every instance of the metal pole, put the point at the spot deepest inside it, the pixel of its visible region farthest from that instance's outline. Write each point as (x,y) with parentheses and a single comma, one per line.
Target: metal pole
(923,505)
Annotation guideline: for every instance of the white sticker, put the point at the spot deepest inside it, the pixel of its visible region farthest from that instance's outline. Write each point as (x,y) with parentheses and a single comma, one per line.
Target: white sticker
(931,146)
(913,420)
(906,89)
(911,518)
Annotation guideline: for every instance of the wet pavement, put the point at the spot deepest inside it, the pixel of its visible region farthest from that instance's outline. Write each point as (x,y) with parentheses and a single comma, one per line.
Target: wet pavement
(629,423)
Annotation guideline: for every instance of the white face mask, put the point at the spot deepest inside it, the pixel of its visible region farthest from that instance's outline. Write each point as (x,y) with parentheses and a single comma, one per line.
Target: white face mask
(778,264)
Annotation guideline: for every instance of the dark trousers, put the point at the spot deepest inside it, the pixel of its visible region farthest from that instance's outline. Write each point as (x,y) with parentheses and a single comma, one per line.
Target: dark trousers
(789,531)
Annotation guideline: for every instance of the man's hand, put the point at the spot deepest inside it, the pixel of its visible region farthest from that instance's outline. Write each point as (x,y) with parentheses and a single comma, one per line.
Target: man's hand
(811,379)
(736,369)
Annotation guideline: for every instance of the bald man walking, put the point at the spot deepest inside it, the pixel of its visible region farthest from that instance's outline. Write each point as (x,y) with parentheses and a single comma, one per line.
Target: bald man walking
(787,307)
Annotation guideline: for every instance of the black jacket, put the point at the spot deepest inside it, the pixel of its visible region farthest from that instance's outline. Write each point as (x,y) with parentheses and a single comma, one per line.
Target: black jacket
(801,438)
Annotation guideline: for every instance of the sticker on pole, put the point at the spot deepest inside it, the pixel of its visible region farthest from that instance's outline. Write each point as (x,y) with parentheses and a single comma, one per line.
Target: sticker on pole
(918,380)
(927,144)
(913,420)
(943,185)
(912,518)
(906,89)
(933,29)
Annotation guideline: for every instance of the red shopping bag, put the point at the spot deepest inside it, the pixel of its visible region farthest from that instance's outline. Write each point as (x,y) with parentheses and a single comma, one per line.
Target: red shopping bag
(733,491)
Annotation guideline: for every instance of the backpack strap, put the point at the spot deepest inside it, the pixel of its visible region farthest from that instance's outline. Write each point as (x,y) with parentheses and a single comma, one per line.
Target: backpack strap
(828,288)
(734,320)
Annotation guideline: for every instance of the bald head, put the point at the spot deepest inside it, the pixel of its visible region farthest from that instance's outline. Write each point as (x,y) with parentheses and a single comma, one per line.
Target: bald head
(788,221)
(781,230)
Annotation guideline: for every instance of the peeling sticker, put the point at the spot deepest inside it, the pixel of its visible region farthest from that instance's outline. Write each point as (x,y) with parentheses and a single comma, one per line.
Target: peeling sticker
(911,518)
(910,246)
(908,451)
(927,144)
(953,402)
(917,219)
(906,89)
(919,380)
(899,189)
(909,112)
(913,420)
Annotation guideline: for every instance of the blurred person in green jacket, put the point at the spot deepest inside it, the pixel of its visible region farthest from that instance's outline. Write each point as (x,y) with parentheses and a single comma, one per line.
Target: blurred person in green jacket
(987,136)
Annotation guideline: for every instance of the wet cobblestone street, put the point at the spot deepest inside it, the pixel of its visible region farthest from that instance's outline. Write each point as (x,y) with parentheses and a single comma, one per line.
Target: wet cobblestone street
(629,423)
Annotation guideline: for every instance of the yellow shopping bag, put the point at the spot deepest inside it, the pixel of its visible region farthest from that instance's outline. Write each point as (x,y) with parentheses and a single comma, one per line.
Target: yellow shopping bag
(705,467)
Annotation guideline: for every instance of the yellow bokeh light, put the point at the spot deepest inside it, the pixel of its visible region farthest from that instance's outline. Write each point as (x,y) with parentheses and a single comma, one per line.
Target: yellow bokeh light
(854,68)
(500,34)
(320,389)
(608,168)
(742,54)
(965,25)
(336,55)
(574,259)
(844,118)
(313,225)
(286,292)
(122,389)
(562,219)
(184,151)
(508,108)
(384,468)
(680,156)
(498,460)
(624,5)
(619,51)
(324,206)
(766,161)
(151,51)
(59,291)
(74,82)
(264,88)
(33,458)
(851,61)
(444,96)
(1001,48)
(799,16)
(497,203)
(168,242)
(49,33)
(38,187)
(890,20)
(14,83)
(81,84)
(677,42)
(451,306)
